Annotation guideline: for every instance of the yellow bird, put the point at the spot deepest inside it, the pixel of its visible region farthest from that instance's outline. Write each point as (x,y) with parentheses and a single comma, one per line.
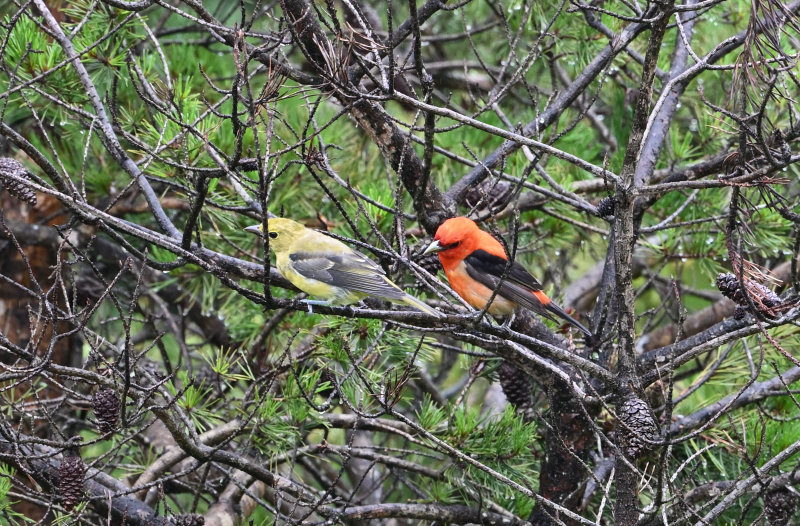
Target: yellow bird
(327,268)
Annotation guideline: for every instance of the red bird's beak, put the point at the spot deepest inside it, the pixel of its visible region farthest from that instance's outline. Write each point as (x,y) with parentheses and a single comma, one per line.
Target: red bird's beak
(433,248)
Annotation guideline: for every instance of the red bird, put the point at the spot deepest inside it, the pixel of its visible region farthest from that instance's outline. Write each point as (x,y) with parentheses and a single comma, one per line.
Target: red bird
(474,262)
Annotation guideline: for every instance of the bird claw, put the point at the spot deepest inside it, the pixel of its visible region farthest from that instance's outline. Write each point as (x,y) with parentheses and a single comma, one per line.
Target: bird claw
(311,304)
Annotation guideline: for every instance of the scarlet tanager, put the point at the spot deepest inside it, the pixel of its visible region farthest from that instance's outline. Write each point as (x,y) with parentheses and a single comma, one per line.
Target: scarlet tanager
(474,262)
(327,268)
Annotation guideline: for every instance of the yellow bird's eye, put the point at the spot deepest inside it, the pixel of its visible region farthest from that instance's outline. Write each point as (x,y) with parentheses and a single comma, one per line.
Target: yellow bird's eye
(273,235)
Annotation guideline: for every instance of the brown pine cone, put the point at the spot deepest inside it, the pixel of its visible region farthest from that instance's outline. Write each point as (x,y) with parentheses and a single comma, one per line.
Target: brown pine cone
(605,207)
(430,262)
(637,429)
(190,519)
(780,505)
(517,387)
(762,297)
(728,285)
(70,481)
(9,166)
(105,403)
(490,194)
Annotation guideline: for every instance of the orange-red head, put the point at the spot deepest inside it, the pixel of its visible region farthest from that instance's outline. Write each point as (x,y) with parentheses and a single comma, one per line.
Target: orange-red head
(458,237)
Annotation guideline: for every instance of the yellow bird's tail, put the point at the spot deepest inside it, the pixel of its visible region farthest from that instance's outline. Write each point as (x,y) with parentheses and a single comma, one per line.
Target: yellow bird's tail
(408,299)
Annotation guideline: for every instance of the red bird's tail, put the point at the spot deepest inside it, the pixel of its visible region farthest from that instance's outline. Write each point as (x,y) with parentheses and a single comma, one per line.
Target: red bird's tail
(558,311)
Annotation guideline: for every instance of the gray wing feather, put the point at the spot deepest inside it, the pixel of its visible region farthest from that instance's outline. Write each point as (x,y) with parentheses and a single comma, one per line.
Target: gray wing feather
(511,289)
(353,271)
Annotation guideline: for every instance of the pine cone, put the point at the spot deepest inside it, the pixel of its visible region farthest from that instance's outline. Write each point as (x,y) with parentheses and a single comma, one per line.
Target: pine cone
(780,505)
(605,207)
(105,403)
(491,194)
(764,294)
(728,285)
(70,481)
(430,262)
(517,387)
(9,166)
(639,429)
(190,519)
(762,297)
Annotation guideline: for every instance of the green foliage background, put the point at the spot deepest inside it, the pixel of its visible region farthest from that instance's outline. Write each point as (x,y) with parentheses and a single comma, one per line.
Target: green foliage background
(285,412)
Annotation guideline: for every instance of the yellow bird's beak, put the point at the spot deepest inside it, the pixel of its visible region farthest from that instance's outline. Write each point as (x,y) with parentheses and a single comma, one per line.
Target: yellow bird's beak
(433,248)
(255,229)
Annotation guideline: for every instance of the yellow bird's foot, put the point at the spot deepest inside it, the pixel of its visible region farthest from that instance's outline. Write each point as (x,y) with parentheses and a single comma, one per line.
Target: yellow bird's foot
(509,320)
(311,304)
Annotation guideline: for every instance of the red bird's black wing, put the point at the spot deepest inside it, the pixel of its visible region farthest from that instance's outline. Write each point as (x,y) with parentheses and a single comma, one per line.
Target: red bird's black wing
(518,286)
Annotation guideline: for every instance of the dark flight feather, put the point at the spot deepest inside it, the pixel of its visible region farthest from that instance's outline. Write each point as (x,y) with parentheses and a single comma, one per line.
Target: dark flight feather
(518,285)
(350,271)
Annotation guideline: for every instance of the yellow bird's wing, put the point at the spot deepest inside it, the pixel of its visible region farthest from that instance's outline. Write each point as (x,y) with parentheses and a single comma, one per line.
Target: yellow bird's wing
(317,261)
(349,270)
